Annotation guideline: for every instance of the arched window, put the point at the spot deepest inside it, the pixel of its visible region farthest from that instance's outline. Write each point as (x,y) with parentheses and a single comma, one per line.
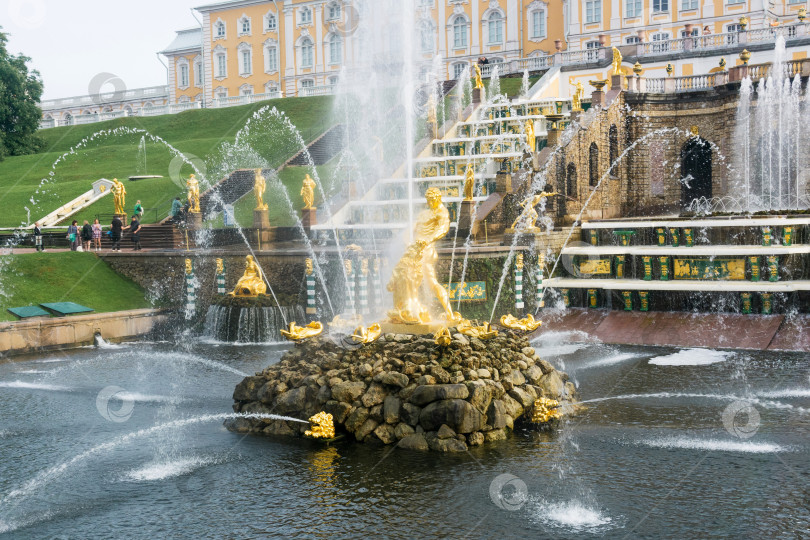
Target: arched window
(306,16)
(243,25)
(182,74)
(426,36)
(307,53)
(613,149)
(219,29)
(593,165)
(571,181)
(495,27)
(270,22)
(459,32)
(271,58)
(245,59)
(335,50)
(333,12)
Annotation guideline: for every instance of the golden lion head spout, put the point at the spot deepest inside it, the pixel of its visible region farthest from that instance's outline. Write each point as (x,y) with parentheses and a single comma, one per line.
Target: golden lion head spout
(322,426)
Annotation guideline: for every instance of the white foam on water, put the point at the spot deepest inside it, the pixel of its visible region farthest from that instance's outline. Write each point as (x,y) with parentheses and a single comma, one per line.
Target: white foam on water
(572,515)
(167,469)
(50,361)
(716,445)
(559,349)
(146,398)
(610,360)
(691,357)
(33,371)
(787,393)
(34,386)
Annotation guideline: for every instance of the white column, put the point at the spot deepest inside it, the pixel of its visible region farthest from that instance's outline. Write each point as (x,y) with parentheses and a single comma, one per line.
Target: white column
(513,15)
(441,29)
(475,31)
(320,65)
(575,30)
(615,22)
(208,61)
(289,49)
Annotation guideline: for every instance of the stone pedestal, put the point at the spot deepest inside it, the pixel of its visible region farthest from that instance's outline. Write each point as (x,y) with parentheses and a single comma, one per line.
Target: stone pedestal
(597,99)
(261,219)
(433,130)
(617,82)
(309,217)
(553,137)
(465,217)
(123,218)
(503,182)
(194,220)
(476,95)
(575,116)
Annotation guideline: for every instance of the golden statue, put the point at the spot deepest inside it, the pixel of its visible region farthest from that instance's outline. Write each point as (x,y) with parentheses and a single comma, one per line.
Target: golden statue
(479,83)
(431,104)
(367,335)
(251,284)
(119,195)
(193,194)
(544,410)
(220,267)
(484,331)
(579,93)
(530,138)
(259,186)
(296,333)
(617,62)
(189,268)
(323,426)
(528,216)
(418,263)
(310,268)
(308,192)
(469,182)
(527,324)
(443,337)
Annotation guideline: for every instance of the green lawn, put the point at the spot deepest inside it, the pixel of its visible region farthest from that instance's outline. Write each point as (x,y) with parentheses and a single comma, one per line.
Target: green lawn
(208,134)
(34,278)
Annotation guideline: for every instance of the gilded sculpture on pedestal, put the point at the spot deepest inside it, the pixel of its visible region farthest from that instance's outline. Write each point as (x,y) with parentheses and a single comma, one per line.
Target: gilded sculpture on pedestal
(579,93)
(193,194)
(309,267)
(259,187)
(479,83)
(189,267)
(531,140)
(419,263)
(220,267)
(617,62)
(308,192)
(528,216)
(119,196)
(251,284)
(469,182)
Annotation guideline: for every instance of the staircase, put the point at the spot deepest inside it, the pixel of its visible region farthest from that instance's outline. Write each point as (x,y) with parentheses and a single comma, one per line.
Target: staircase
(227,191)
(161,236)
(322,149)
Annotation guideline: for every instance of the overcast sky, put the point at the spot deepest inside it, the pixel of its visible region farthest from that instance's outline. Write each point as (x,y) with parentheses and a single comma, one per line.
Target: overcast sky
(72,41)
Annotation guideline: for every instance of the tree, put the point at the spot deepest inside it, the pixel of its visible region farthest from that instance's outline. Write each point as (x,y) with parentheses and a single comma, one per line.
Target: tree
(20,91)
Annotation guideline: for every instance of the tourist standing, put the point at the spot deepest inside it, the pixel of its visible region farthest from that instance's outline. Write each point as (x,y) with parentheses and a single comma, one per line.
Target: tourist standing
(135,231)
(177,206)
(73,235)
(96,235)
(38,237)
(138,211)
(116,228)
(87,235)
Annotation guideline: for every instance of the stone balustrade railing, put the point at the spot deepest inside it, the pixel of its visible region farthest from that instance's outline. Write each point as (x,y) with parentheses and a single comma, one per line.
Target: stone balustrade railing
(693,83)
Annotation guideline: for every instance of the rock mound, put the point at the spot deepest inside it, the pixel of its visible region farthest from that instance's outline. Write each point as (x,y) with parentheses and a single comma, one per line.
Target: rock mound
(404,389)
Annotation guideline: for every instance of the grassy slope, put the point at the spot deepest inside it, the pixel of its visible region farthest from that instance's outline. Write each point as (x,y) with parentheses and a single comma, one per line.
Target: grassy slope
(197,132)
(65,277)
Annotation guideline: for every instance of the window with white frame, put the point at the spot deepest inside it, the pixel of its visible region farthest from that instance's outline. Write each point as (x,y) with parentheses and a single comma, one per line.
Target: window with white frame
(221,93)
(305,16)
(459,26)
(632,40)
(426,36)
(694,33)
(307,53)
(495,28)
(333,81)
(634,8)
(689,5)
(270,22)
(458,69)
(219,30)
(660,6)
(246,90)
(244,26)
(735,1)
(426,3)
(660,42)
(182,75)
(307,83)
(335,50)
(333,12)
(796,1)
(271,88)
(537,21)
(198,73)
(221,62)
(245,59)
(592,48)
(736,27)
(593,11)
(271,58)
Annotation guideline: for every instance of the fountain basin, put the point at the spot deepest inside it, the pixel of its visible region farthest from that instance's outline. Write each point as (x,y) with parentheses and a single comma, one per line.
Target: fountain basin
(404,389)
